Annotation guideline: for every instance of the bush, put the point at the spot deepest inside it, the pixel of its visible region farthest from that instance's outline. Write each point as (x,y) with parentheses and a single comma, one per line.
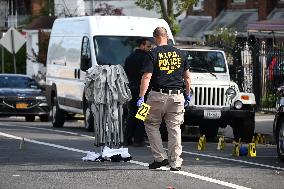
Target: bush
(268,101)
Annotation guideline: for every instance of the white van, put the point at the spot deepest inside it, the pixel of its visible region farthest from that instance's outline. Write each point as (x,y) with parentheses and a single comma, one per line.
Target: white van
(78,43)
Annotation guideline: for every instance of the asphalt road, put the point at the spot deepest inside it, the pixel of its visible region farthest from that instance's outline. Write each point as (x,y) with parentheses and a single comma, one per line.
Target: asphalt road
(52,158)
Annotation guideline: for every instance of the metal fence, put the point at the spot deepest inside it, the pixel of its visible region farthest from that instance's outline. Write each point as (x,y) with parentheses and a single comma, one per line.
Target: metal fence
(257,67)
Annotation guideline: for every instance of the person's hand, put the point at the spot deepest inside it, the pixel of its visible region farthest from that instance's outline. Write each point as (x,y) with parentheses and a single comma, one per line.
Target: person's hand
(140,101)
(187,99)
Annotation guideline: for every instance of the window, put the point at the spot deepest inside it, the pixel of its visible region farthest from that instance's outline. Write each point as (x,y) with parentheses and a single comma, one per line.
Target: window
(18,82)
(206,61)
(199,5)
(113,50)
(239,1)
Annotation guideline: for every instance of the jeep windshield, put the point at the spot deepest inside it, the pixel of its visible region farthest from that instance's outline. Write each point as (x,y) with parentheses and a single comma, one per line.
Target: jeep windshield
(113,50)
(206,61)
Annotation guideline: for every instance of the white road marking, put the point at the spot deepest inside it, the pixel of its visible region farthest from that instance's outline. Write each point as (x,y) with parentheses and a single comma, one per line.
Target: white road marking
(200,177)
(264,119)
(43,143)
(235,160)
(53,130)
(192,153)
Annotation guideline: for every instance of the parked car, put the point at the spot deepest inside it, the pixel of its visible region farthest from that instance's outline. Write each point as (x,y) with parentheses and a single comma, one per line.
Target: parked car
(20,95)
(278,125)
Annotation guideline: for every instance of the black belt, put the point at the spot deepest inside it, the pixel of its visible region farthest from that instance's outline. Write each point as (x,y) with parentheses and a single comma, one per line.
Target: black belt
(168,91)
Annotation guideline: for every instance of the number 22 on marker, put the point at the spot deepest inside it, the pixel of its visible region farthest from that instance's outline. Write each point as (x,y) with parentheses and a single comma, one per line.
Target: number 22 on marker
(143,111)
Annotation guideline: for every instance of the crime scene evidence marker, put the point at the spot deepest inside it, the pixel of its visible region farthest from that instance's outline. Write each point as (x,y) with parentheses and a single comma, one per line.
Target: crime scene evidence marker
(221,143)
(236,148)
(143,111)
(201,143)
(252,150)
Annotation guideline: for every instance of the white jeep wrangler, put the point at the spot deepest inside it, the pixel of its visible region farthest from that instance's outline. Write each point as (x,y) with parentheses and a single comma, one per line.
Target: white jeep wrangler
(216,100)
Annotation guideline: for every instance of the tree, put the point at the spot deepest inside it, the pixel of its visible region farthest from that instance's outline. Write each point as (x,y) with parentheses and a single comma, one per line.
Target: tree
(106,9)
(169,9)
(224,38)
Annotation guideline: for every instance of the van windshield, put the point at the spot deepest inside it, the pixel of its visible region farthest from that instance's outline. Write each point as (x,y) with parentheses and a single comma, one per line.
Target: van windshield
(206,61)
(113,50)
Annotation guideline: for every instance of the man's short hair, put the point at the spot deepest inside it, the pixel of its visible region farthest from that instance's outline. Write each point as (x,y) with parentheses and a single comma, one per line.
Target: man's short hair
(142,41)
(160,32)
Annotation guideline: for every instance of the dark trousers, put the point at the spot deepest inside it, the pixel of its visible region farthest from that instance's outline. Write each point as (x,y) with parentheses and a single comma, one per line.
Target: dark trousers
(135,127)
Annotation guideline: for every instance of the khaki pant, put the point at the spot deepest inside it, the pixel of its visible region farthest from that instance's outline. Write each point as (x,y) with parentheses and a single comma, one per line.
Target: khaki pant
(169,107)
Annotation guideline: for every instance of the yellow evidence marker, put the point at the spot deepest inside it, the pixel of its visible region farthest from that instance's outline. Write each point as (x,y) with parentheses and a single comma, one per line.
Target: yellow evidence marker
(201,143)
(143,111)
(252,150)
(236,148)
(221,143)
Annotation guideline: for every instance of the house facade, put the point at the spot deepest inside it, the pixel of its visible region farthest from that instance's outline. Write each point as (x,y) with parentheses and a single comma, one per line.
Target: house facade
(237,14)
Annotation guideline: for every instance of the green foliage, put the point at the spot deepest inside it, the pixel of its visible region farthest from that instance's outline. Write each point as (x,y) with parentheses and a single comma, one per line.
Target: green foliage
(222,37)
(106,9)
(268,101)
(169,9)
(9,61)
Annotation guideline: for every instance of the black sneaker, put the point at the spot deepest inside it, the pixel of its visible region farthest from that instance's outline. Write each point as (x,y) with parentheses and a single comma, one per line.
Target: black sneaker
(175,168)
(156,165)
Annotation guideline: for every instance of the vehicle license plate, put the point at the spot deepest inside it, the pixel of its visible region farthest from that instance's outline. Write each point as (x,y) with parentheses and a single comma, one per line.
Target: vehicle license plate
(212,114)
(21,105)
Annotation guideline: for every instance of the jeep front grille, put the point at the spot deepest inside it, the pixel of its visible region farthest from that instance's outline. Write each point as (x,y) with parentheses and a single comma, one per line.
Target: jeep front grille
(209,96)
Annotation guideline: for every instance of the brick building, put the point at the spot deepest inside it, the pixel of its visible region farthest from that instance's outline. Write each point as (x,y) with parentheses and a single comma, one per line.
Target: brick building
(241,15)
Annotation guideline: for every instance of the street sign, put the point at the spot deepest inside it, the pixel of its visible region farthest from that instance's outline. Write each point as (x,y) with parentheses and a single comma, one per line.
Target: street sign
(12,40)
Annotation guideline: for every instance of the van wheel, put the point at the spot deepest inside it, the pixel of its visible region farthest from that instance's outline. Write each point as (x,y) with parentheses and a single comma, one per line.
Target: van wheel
(88,117)
(244,129)
(30,118)
(57,115)
(44,118)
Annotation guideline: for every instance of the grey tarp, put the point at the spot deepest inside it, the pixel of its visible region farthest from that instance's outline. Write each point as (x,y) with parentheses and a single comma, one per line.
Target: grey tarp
(107,89)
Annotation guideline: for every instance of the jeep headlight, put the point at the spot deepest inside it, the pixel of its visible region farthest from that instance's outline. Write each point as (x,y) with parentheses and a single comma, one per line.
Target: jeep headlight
(238,104)
(231,93)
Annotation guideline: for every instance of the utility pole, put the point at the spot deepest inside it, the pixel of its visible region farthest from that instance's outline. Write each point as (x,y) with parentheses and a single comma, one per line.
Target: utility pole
(92,8)
(13,51)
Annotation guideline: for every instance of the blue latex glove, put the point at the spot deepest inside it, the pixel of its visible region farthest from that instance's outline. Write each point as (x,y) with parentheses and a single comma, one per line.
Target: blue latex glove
(187,99)
(140,101)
